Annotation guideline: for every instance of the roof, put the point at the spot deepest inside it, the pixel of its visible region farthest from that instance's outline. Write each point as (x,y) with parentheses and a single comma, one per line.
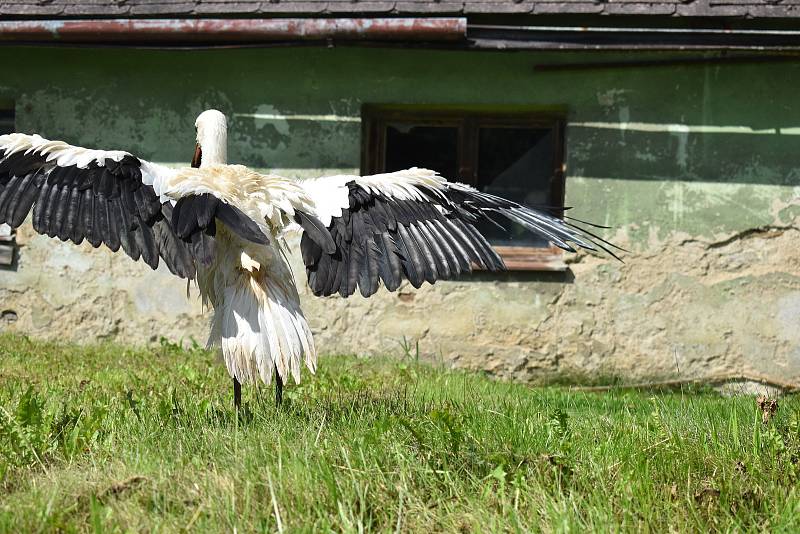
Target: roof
(57,9)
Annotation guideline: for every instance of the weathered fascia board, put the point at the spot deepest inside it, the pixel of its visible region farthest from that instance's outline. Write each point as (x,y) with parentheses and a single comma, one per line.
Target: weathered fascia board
(492,37)
(231,31)
(446,31)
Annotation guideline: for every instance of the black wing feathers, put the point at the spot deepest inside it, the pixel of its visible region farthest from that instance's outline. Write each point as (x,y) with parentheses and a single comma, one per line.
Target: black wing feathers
(428,238)
(316,231)
(240,223)
(379,238)
(173,250)
(197,214)
(20,205)
(107,203)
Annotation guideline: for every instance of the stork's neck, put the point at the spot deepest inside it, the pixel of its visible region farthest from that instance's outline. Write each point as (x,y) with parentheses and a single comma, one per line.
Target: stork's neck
(214,146)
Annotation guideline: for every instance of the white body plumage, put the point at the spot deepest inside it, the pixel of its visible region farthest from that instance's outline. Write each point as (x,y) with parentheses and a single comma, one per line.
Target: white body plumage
(257,323)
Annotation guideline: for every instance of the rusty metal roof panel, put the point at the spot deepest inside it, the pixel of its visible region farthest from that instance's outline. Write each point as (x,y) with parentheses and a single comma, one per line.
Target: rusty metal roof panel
(162,8)
(639,8)
(227,8)
(499,7)
(445,7)
(380,8)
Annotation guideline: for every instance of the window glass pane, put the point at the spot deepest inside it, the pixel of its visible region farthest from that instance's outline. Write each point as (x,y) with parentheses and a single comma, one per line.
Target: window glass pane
(517,164)
(6,121)
(429,147)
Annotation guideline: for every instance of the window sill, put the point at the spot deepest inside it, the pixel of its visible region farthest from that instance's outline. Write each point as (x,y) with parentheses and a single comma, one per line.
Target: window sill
(533,258)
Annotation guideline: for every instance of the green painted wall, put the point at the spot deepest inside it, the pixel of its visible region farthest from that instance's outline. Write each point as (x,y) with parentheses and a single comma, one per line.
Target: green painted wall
(661,181)
(681,160)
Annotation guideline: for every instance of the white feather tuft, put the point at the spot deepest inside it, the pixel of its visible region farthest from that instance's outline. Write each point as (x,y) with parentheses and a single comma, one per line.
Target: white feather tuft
(257,322)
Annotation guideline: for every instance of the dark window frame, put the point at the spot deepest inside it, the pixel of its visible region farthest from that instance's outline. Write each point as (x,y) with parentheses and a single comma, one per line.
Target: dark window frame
(374,120)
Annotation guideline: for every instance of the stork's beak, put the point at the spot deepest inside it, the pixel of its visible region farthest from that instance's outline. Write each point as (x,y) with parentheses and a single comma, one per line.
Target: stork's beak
(198,156)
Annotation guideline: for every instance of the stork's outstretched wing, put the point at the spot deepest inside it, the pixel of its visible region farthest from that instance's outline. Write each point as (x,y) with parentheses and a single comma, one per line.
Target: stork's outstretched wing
(112,197)
(412,225)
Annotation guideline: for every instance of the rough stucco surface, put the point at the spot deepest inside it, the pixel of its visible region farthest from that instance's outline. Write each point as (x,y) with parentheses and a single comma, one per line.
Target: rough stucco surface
(702,195)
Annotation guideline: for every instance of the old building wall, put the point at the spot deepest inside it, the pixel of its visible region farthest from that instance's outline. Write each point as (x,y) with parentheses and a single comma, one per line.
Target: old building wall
(695,166)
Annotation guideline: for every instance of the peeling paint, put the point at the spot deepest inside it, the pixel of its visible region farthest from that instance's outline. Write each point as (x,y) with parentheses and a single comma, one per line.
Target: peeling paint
(274,117)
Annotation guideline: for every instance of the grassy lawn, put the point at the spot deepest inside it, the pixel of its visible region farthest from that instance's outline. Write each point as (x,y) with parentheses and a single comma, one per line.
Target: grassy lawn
(109,438)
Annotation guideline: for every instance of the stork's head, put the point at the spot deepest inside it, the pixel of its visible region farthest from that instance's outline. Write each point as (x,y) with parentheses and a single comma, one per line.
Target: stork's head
(212,139)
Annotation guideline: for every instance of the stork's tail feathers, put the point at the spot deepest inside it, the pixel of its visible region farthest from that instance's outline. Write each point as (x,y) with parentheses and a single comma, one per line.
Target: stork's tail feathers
(260,327)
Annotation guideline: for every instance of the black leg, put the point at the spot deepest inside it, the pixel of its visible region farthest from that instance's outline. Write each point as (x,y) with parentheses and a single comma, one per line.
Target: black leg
(237,393)
(278,388)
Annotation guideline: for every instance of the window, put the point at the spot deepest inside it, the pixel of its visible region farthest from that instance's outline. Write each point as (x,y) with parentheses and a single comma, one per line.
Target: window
(7,234)
(515,155)
(6,120)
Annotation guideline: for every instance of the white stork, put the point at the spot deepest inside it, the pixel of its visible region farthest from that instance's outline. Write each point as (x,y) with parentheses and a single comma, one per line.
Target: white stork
(224,226)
